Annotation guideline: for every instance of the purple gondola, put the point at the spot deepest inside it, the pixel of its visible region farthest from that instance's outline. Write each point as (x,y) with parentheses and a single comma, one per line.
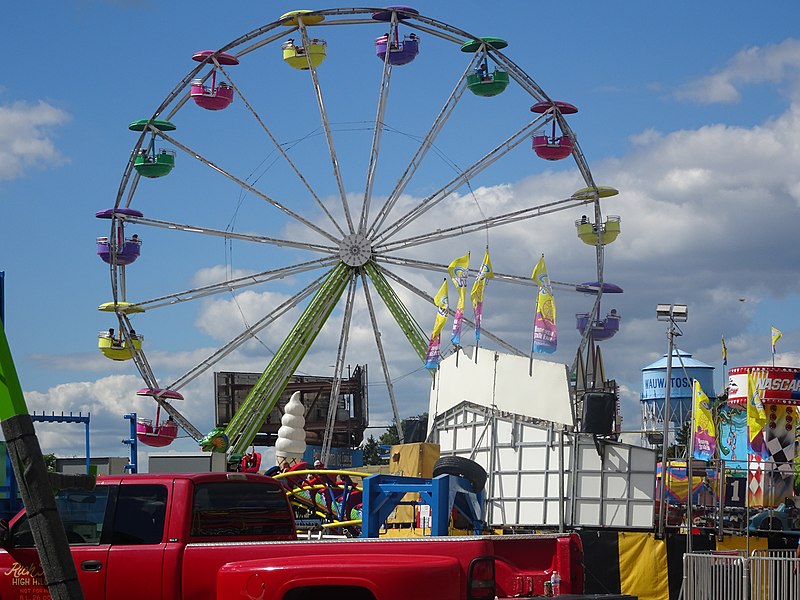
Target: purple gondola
(128,249)
(602,329)
(400,52)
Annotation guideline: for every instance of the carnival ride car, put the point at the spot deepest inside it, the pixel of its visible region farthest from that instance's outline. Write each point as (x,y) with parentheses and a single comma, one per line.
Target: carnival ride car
(784,518)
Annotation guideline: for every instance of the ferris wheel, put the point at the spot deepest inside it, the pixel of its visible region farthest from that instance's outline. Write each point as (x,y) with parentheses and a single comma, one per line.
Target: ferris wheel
(262,151)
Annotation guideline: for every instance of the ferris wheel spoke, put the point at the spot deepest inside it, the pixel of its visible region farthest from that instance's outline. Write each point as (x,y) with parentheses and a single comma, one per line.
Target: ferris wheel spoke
(482,224)
(341,352)
(232,235)
(337,173)
(279,147)
(231,285)
(425,145)
(246,186)
(382,355)
(411,287)
(248,334)
(383,96)
(477,167)
(443,268)
(404,319)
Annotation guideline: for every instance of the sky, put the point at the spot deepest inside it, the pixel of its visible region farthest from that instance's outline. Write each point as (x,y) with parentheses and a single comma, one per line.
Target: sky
(691,110)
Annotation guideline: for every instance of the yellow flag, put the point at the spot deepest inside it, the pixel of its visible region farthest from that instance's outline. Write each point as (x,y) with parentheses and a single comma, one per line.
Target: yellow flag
(442,308)
(776,335)
(459,271)
(486,272)
(756,417)
(432,356)
(545,338)
(705,433)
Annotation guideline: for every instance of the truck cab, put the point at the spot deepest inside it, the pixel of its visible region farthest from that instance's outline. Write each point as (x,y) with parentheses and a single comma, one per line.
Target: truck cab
(124,542)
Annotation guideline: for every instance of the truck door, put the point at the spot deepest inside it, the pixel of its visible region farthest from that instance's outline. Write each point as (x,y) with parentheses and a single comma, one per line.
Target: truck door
(85,518)
(136,557)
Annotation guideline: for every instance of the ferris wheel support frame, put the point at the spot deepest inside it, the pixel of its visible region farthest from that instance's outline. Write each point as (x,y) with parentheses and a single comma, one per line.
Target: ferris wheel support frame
(261,399)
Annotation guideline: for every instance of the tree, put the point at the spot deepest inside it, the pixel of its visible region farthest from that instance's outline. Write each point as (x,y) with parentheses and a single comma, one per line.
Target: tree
(50,462)
(372,452)
(680,447)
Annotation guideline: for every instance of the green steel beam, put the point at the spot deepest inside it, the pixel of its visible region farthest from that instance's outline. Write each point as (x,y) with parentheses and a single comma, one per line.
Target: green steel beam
(252,413)
(405,321)
(12,401)
(35,485)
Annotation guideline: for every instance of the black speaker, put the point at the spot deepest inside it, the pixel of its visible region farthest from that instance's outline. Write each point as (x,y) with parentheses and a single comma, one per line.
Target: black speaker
(599,413)
(415,430)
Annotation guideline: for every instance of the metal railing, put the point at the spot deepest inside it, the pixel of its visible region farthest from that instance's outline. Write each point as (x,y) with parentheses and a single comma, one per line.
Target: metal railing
(774,575)
(731,575)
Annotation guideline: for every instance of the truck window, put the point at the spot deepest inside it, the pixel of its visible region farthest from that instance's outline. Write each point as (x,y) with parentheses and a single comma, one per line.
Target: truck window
(83,514)
(139,515)
(240,508)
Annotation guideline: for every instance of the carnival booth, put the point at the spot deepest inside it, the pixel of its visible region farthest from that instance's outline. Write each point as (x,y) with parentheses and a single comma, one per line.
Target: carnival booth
(771,453)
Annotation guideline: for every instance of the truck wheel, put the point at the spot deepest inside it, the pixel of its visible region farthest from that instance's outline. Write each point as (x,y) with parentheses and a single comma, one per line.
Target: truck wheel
(463,467)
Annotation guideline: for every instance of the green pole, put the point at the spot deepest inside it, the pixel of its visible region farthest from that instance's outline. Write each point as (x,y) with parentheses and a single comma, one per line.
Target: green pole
(34,484)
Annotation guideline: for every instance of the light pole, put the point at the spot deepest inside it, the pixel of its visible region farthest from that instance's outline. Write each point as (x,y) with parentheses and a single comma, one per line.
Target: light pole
(672,313)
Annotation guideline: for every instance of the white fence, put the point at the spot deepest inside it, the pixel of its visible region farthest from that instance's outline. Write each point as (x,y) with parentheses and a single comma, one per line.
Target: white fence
(765,575)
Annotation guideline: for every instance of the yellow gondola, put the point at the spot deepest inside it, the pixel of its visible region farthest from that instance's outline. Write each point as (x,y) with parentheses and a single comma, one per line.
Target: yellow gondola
(116,349)
(589,233)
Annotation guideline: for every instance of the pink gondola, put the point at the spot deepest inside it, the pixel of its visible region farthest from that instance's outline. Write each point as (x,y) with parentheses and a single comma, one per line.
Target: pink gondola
(553,147)
(154,432)
(213,97)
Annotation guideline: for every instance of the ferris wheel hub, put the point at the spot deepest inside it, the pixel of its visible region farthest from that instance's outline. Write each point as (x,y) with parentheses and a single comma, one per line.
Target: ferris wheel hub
(355,250)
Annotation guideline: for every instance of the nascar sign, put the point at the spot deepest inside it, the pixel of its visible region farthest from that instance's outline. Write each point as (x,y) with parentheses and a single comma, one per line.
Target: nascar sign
(779,385)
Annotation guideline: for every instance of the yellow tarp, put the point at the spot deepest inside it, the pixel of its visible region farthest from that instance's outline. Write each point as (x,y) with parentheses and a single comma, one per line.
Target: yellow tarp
(739,542)
(643,566)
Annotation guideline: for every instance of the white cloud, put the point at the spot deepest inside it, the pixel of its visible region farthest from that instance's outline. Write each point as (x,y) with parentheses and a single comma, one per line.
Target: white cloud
(752,66)
(26,139)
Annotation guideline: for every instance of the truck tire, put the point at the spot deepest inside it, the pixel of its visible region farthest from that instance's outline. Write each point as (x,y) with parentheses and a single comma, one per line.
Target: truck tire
(463,467)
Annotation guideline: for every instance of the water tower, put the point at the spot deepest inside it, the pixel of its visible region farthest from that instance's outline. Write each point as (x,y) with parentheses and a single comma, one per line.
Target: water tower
(654,389)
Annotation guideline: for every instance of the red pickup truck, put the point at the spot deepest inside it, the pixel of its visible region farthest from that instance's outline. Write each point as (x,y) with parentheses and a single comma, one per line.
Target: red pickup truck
(210,536)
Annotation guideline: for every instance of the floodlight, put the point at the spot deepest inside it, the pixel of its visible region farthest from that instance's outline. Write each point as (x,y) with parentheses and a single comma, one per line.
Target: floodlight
(672,312)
